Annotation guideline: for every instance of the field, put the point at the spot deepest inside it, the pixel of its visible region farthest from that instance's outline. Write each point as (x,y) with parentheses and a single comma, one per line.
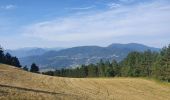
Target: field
(16,84)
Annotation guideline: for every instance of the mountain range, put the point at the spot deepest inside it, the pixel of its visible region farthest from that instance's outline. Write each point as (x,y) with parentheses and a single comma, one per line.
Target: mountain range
(30,51)
(75,56)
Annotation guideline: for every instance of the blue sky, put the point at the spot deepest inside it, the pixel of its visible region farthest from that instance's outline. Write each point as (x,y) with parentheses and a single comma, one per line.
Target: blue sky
(68,23)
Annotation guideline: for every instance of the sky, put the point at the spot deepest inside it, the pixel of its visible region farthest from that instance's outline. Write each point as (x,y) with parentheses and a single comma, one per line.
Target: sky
(69,23)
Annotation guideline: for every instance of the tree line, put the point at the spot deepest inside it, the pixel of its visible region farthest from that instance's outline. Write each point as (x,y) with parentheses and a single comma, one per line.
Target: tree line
(7,58)
(136,64)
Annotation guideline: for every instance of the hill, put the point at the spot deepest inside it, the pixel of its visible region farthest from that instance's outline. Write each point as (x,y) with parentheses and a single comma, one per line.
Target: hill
(76,56)
(18,84)
(34,51)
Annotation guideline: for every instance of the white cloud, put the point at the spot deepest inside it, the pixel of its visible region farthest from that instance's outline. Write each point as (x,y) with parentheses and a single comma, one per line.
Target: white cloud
(139,21)
(8,7)
(82,8)
(113,5)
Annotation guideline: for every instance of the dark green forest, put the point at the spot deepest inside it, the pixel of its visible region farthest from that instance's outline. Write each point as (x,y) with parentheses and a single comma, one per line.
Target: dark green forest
(136,64)
(6,58)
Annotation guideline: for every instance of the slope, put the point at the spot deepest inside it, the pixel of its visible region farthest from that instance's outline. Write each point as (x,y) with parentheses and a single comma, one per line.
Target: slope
(18,84)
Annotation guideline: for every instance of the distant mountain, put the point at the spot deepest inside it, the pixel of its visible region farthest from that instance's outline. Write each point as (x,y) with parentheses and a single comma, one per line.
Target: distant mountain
(131,46)
(76,56)
(25,52)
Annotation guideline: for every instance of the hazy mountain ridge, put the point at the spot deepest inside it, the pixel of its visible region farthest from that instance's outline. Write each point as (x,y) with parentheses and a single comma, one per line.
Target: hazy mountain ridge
(30,51)
(75,56)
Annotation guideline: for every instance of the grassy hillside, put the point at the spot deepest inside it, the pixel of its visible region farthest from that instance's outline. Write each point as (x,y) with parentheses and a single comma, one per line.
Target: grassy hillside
(18,84)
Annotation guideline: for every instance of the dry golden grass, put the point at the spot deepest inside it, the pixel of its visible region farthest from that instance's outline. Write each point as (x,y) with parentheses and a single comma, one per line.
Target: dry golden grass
(30,86)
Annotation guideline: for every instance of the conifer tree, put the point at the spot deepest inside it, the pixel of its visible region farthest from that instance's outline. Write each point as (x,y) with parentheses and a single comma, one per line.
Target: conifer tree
(34,68)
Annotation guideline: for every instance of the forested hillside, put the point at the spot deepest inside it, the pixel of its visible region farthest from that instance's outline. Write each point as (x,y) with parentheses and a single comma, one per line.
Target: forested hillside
(136,64)
(6,58)
(77,56)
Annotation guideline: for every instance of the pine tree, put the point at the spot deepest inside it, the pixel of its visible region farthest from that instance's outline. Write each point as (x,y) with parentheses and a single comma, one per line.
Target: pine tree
(1,55)
(101,69)
(116,68)
(15,62)
(92,71)
(34,68)
(8,59)
(84,71)
(25,68)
